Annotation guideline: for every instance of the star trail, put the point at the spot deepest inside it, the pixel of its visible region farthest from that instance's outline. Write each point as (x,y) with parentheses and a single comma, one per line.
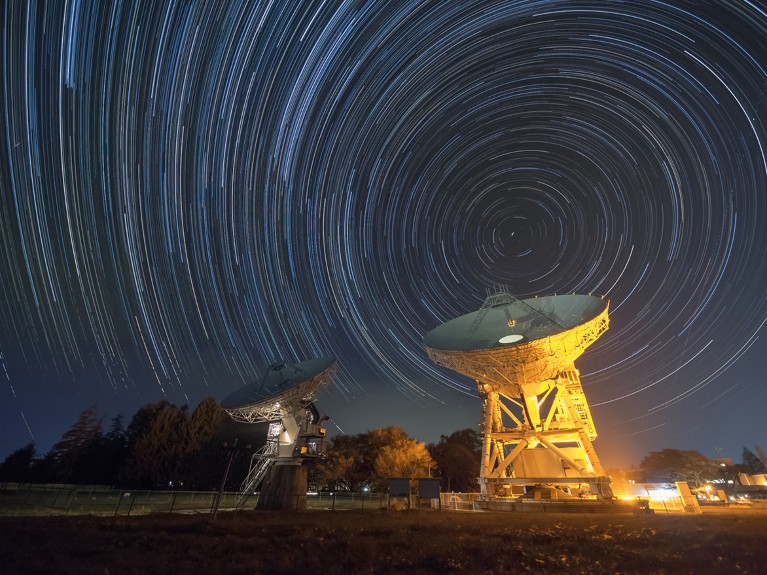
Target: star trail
(191,191)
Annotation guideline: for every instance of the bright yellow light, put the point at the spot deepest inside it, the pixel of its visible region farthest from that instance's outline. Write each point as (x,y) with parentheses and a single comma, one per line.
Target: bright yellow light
(663,494)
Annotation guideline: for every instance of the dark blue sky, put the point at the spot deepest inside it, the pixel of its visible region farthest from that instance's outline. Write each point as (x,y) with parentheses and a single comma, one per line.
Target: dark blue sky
(191,191)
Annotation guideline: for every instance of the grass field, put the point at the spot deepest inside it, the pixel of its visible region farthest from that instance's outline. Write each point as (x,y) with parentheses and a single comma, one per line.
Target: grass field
(350,542)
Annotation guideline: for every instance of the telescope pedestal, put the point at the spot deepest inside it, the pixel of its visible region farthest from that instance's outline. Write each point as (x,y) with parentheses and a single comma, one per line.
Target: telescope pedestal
(536,427)
(542,437)
(284,488)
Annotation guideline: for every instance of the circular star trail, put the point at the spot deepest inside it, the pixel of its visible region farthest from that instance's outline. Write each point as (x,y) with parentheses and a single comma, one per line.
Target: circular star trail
(193,190)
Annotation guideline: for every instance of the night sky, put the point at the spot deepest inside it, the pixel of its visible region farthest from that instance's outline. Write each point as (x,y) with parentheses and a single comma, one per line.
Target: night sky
(190,193)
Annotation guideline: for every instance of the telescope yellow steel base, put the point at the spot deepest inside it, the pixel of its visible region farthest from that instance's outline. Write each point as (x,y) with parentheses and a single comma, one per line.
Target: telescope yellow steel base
(542,437)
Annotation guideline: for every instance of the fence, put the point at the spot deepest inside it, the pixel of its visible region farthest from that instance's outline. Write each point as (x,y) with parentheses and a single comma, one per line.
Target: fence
(459,501)
(32,499)
(669,505)
(343,500)
(36,499)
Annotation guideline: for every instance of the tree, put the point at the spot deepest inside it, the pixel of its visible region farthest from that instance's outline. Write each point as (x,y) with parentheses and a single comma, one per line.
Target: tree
(158,437)
(168,447)
(368,447)
(205,459)
(349,466)
(752,463)
(335,472)
(18,465)
(246,437)
(109,454)
(141,420)
(458,459)
(671,465)
(367,460)
(205,421)
(404,457)
(70,455)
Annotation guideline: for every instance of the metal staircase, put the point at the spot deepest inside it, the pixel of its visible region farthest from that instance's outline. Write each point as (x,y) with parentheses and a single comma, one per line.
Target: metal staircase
(578,400)
(260,463)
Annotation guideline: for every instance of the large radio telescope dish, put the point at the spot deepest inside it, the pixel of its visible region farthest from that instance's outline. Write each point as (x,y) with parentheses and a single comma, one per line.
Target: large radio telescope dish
(510,341)
(283,390)
(536,425)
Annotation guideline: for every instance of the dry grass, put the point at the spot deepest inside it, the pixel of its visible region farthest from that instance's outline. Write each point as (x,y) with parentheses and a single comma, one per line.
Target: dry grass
(386,542)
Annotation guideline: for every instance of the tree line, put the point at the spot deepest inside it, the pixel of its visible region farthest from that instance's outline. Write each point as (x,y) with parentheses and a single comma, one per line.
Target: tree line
(671,465)
(366,461)
(162,445)
(167,446)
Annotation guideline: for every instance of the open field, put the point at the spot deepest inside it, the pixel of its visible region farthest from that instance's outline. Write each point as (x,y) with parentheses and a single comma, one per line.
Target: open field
(349,542)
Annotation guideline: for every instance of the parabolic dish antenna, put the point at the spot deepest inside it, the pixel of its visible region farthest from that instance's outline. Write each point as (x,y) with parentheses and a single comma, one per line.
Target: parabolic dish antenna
(536,425)
(284,397)
(508,340)
(283,389)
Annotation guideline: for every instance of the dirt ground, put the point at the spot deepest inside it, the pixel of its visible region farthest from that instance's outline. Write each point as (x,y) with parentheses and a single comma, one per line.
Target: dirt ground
(350,542)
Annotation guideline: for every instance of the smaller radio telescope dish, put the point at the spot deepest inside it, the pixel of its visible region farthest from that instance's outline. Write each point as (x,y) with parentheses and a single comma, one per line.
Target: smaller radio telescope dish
(283,397)
(283,390)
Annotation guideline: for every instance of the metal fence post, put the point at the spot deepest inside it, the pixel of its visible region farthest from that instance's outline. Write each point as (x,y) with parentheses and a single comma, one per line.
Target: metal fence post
(56,497)
(132,501)
(71,500)
(119,500)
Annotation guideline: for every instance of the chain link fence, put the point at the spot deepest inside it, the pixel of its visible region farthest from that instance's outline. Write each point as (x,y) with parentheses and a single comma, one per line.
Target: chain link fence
(37,499)
(344,500)
(32,499)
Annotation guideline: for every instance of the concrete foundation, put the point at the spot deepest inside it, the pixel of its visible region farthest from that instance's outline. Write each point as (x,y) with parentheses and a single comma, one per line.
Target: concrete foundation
(284,488)
(532,506)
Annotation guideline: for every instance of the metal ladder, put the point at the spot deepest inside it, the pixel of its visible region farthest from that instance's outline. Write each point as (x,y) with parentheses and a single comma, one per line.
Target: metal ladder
(261,461)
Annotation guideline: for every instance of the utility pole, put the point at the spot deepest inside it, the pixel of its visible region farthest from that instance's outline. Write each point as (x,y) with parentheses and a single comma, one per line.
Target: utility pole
(233,451)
